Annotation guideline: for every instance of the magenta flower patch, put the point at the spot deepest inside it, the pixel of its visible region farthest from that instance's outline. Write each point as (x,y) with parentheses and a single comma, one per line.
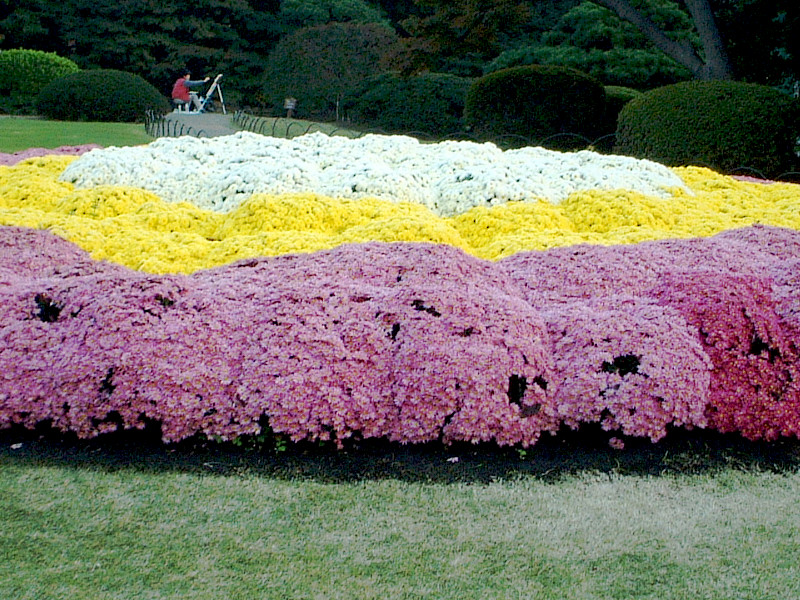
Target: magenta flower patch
(408,342)
(15,157)
(754,383)
(585,271)
(629,364)
(411,342)
(31,253)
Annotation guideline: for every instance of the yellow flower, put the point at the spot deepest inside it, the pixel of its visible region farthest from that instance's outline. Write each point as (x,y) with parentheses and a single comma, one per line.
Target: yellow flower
(483,225)
(136,228)
(607,211)
(32,184)
(424,228)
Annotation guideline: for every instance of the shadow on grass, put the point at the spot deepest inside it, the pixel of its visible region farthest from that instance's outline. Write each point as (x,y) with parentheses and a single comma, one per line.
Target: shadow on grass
(568,453)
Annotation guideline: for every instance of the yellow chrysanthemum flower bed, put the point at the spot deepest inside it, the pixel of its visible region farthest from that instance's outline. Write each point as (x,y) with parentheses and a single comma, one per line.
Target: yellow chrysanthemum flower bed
(136,228)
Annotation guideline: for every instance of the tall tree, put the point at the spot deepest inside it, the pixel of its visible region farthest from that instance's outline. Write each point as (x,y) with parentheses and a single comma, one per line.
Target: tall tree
(712,62)
(593,39)
(33,25)
(151,38)
(761,37)
(152,35)
(320,65)
(396,10)
(445,29)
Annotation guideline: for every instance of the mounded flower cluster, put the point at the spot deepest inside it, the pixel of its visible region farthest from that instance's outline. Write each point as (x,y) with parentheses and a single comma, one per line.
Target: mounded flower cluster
(408,341)
(411,342)
(754,382)
(629,364)
(338,336)
(737,291)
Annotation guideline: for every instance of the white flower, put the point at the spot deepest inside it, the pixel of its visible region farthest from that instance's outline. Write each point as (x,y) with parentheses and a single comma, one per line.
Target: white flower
(448,177)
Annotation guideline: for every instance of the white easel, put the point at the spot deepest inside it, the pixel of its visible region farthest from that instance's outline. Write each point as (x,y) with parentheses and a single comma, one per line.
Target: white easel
(215,87)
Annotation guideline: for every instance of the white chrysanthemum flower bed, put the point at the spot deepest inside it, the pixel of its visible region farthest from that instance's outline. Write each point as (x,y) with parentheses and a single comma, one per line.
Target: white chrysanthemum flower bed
(449,177)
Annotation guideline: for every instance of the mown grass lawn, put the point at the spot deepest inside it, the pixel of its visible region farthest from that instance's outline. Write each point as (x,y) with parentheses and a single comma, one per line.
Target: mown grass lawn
(95,520)
(18,133)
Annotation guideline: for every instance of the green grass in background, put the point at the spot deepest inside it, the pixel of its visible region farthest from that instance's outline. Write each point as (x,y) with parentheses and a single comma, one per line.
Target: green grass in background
(88,534)
(18,133)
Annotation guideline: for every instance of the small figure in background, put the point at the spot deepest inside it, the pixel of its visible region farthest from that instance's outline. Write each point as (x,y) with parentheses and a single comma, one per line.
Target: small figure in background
(290,104)
(181,94)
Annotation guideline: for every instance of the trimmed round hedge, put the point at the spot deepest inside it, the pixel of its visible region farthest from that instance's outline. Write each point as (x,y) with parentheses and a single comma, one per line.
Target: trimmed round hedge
(24,73)
(725,125)
(431,103)
(100,95)
(556,107)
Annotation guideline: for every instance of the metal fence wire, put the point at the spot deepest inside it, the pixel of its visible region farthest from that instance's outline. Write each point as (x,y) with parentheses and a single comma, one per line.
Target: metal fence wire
(157,125)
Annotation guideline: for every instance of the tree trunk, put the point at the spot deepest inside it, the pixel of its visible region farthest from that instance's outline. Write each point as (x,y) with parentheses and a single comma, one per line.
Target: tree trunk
(716,64)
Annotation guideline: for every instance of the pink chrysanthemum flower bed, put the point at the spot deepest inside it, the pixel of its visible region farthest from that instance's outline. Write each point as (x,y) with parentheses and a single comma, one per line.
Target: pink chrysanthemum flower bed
(409,342)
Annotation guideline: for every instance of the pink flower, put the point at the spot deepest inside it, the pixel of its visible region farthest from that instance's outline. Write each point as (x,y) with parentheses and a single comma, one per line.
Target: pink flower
(408,342)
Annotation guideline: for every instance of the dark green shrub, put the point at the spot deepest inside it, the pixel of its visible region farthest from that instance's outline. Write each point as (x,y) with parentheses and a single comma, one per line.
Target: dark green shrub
(430,103)
(24,73)
(725,125)
(628,67)
(557,107)
(100,95)
(616,98)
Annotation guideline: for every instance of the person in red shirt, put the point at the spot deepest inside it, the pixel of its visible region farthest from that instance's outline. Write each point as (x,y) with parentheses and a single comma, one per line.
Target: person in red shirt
(180,91)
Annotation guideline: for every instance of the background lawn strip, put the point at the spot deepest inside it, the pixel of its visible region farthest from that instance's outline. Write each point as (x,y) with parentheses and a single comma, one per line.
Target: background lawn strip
(22,133)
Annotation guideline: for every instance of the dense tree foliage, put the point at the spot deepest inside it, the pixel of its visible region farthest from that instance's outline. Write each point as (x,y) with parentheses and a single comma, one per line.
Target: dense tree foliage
(593,39)
(762,39)
(711,61)
(33,24)
(462,34)
(155,38)
(296,14)
(754,40)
